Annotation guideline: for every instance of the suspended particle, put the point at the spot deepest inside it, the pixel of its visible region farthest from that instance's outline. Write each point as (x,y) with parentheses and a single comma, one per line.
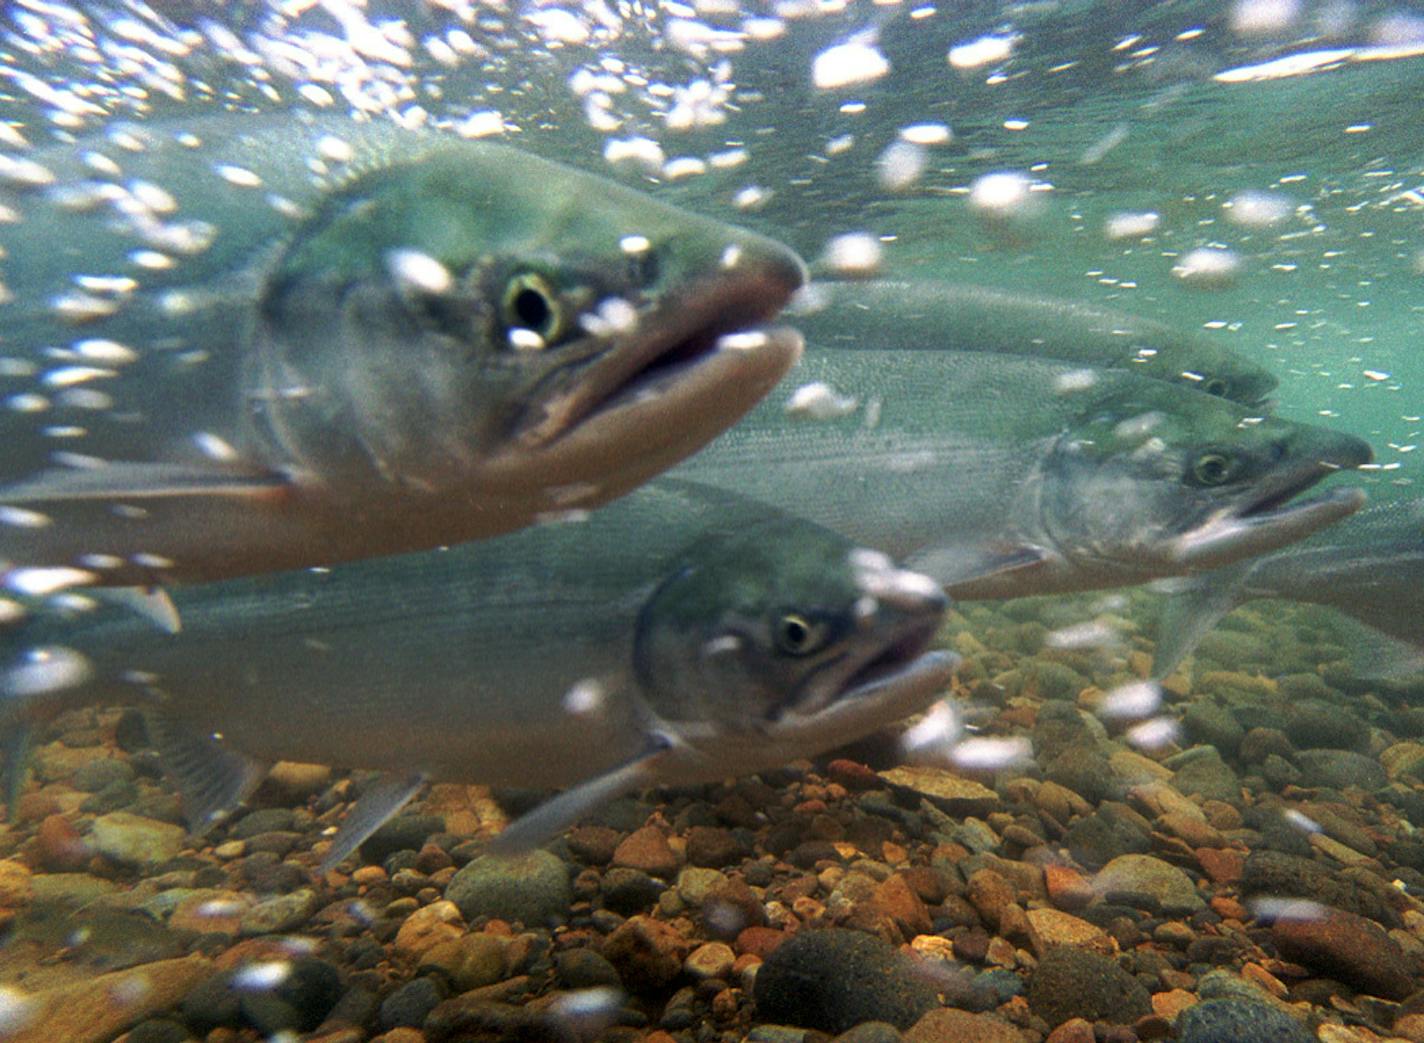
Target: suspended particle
(853,254)
(1131,224)
(1208,267)
(848,65)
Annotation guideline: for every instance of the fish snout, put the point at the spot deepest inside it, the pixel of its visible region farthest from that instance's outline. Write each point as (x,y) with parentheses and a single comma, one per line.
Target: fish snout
(908,593)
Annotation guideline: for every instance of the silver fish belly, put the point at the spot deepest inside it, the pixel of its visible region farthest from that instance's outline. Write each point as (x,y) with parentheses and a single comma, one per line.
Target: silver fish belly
(241,344)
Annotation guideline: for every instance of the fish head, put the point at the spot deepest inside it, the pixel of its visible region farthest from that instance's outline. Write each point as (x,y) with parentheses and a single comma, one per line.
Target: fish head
(477,318)
(1182,483)
(785,640)
(1214,371)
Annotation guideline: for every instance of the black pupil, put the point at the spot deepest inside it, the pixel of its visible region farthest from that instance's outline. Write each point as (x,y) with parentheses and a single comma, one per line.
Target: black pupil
(531,309)
(1216,387)
(795,633)
(1213,468)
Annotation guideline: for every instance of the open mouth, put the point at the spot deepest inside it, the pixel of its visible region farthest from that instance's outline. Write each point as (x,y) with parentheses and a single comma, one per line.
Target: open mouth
(1266,525)
(891,661)
(722,314)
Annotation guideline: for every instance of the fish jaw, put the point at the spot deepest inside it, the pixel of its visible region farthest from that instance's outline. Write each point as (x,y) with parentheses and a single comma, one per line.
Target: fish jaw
(900,608)
(1229,538)
(878,698)
(755,277)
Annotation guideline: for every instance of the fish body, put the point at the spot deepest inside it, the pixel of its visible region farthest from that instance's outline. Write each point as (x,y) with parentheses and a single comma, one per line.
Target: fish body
(1004,476)
(940,316)
(707,632)
(239,344)
(1369,567)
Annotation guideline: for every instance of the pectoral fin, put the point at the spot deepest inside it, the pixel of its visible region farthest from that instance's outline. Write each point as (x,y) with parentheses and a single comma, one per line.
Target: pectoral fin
(554,816)
(953,565)
(153,604)
(1190,614)
(213,779)
(135,481)
(373,809)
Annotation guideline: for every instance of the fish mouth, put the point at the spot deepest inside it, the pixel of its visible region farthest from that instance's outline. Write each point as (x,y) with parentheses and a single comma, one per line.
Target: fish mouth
(669,343)
(1274,519)
(892,663)
(907,607)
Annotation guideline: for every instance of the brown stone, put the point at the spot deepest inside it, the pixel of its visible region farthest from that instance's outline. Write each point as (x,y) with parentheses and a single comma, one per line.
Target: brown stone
(712,847)
(211,912)
(960,1026)
(852,774)
(648,954)
(956,795)
(15,889)
(730,907)
(1344,946)
(1410,1027)
(1222,865)
(1074,1030)
(896,899)
(1067,888)
(428,927)
(1194,829)
(1054,927)
(86,1012)
(989,892)
(647,850)
(760,941)
(58,846)
(1169,1004)
(593,845)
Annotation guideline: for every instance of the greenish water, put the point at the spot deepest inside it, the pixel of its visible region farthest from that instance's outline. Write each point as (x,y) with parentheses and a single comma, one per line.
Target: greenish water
(1106,108)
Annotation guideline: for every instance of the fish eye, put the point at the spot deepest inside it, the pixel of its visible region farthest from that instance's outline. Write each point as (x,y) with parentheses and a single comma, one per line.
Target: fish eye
(1212,468)
(1215,386)
(796,635)
(531,303)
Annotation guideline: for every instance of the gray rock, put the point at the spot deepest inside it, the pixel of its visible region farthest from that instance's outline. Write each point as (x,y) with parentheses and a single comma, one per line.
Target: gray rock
(411,1004)
(1274,874)
(533,889)
(1077,983)
(95,775)
(835,979)
(1205,774)
(135,840)
(263,820)
(871,1032)
(1148,883)
(282,913)
(1339,769)
(1317,724)
(1213,724)
(585,969)
(402,833)
(1239,1021)
(1097,839)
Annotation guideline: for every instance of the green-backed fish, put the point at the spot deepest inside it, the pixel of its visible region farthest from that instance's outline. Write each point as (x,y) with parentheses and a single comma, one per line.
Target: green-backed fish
(1003,476)
(679,635)
(931,315)
(1369,567)
(238,344)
